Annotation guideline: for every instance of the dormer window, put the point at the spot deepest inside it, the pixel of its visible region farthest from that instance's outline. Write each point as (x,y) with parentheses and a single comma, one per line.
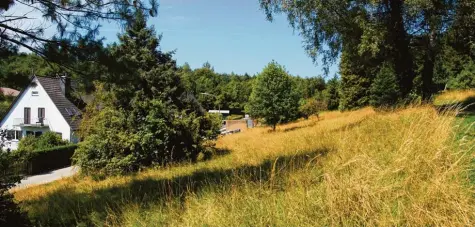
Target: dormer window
(72,112)
(34,93)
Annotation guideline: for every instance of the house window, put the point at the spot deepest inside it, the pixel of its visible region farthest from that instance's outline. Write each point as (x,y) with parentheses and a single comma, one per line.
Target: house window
(18,134)
(10,134)
(38,134)
(14,135)
(34,93)
(30,133)
(27,115)
(41,115)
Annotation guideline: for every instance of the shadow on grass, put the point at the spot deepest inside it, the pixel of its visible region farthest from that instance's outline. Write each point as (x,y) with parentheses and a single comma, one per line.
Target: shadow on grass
(349,126)
(211,153)
(71,207)
(297,127)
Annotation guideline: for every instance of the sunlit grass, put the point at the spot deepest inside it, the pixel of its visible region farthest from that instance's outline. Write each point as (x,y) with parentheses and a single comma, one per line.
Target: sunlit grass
(454,97)
(359,168)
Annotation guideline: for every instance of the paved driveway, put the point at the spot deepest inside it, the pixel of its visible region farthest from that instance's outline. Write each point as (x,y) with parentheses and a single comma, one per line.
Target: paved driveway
(47,177)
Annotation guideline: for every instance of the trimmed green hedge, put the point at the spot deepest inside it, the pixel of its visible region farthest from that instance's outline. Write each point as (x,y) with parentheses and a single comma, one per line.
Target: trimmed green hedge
(44,160)
(234,117)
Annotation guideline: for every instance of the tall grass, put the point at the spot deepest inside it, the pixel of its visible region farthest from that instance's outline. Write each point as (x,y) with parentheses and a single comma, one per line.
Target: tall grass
(454,97)
(348,169)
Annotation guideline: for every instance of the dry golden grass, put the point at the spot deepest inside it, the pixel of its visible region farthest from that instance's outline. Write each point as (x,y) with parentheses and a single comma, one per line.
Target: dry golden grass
(359,168)
(453,97)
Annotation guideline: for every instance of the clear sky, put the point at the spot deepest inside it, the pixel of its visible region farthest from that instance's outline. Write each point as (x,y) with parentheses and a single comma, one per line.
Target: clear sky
(233,36)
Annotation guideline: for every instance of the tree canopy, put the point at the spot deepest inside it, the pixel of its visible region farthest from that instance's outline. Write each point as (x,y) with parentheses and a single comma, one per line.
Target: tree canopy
(423,40)
(274,97)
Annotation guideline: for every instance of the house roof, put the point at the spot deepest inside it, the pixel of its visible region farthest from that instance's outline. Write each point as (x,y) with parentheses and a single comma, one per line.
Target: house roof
(9,91)
(69,111)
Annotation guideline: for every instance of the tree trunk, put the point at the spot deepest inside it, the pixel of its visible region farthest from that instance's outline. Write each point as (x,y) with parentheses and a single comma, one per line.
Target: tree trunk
(429,62)
(397,35)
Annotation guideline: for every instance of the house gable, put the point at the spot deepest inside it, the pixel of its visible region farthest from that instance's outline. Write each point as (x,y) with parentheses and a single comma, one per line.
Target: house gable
(34,97)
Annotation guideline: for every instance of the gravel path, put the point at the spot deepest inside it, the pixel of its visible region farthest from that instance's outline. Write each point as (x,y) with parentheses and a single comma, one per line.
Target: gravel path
(47,177)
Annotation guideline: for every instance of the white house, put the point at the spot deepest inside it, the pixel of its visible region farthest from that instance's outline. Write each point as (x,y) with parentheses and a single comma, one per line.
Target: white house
(42,106)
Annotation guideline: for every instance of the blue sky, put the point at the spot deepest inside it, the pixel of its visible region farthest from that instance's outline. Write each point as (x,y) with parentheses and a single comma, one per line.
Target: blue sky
(233,36)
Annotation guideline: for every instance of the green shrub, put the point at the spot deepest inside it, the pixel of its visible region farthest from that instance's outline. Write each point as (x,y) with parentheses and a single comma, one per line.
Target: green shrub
(49,140)
(120,142)
(234,117)
(311,106)
(27,143)
(46,140)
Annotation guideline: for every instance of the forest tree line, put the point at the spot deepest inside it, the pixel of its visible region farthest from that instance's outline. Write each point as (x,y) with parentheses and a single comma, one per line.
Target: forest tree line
(388,51)
(213,90)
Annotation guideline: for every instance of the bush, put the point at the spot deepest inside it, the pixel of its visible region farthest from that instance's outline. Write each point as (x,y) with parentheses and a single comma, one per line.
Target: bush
(50,140)
(38,161)
(27,143)
(46,140)
(312,106)
(120,142)
(234,117)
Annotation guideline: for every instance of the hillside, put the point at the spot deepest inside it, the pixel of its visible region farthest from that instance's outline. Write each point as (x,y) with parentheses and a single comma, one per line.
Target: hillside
(407,167)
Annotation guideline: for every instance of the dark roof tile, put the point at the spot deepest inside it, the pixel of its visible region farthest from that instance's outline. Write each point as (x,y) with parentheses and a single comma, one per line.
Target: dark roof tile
(69,111)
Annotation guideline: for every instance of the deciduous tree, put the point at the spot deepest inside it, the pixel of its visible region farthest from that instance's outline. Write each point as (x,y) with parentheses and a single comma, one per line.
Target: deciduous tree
(274,97)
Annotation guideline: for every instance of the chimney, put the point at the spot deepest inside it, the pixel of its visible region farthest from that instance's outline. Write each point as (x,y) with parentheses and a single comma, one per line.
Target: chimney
(65,84)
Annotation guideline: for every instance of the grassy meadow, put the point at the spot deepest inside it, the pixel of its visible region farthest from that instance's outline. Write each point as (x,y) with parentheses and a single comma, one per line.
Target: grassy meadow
(408,167)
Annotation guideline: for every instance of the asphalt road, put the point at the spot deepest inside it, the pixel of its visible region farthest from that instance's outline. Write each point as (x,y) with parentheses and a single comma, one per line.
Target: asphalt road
(47,177)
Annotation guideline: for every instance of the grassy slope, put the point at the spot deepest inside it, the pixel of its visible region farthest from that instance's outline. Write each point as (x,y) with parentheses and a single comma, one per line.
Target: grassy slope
(354,168)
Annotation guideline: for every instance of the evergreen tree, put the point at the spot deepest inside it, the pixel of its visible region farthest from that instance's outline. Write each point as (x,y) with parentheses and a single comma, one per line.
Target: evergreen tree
(143,116)
(465,79)
(355,83)
(384,89)
(273,96)
(332,94)
(366,34)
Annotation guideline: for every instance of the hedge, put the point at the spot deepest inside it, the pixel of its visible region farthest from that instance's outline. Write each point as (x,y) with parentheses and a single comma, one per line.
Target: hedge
(41,161)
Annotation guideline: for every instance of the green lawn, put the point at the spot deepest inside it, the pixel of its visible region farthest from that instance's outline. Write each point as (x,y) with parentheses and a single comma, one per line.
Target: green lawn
(466,132)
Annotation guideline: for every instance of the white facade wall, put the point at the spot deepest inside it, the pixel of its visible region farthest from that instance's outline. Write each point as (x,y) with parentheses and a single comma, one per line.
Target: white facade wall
(53,117)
